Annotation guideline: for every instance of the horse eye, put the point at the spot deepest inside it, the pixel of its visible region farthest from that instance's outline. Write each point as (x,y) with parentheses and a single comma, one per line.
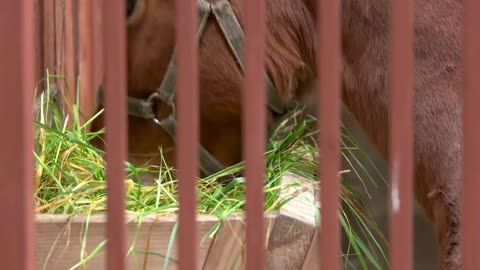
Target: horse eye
(131,7)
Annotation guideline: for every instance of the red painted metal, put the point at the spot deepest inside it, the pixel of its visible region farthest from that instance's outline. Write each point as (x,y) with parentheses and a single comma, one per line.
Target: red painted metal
(69,53)
(253,129)
(329,68)
(16,142)
(114,52)
(401,138)
(187,137)
(471,180)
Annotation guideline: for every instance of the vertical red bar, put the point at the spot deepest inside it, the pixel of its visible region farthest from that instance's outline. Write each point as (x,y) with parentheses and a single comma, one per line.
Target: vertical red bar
(69,54)
(471,97)
(114,51)
(86,58)
(401,135)
(253,128)
(16,170)
(328,61)
(187,137)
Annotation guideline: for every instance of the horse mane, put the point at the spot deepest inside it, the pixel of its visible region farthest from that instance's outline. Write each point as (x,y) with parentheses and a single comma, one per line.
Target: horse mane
(290,55)
(289,43)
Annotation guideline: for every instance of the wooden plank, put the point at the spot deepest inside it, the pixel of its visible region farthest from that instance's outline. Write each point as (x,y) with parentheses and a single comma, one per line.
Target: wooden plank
(38,32)
(227,250)
(293,231)
(290,234)
(59,17)
(98,70)
(312,260)
(48,35)
(86,66)
(59,241)
(289,243)
(303,205)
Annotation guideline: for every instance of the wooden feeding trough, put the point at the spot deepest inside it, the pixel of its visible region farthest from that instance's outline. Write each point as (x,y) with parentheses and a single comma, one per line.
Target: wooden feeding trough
(63,241)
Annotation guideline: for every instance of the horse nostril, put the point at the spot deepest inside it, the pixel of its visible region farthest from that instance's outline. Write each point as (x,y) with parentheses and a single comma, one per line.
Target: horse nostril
(131,7)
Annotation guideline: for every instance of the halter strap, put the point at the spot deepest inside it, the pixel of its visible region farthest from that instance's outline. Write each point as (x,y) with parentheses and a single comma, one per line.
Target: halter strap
(232,31)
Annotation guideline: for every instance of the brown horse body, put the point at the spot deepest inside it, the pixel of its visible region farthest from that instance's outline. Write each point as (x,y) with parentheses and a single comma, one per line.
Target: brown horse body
(291,65)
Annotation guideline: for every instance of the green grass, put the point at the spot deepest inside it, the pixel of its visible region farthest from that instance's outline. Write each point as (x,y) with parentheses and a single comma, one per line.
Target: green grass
(70,179)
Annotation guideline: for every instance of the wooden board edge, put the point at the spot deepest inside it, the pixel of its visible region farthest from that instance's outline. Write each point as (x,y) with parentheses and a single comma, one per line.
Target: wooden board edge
(289,242)
(302,204)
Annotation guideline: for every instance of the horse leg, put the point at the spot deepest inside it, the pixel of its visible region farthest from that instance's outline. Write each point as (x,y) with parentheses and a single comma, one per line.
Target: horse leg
(446,221)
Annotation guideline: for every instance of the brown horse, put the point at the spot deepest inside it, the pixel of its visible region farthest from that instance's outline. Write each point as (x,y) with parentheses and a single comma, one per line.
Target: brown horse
(291,66)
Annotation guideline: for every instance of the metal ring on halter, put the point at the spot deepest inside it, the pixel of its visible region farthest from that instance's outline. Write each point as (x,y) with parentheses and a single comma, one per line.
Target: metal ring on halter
(153,99)
(161,122)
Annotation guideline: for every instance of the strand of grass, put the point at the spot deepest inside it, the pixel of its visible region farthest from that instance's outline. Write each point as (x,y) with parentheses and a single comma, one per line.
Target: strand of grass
(132,250)
(357,244)
(69,138)
(357,174)
(49,172)
(369,233)
(65,199)
(364,154)
(170,246)
(353,243)
(348,231)
(50,251)
(94,253)
(229,205)
(156,254)
(361,215)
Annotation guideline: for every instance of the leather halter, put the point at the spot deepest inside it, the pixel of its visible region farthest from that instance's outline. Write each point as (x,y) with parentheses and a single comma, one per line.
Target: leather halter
(233,34)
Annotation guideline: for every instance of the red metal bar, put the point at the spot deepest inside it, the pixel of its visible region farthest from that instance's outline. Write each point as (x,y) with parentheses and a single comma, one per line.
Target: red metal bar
(328,62)
(86,58)
(401,135)
(16,170)
(69,53)
(471,97)
(254,133)
(114,51)
(187,137)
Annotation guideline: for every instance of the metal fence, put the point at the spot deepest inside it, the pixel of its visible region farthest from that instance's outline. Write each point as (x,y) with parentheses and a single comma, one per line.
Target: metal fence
(19,41)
